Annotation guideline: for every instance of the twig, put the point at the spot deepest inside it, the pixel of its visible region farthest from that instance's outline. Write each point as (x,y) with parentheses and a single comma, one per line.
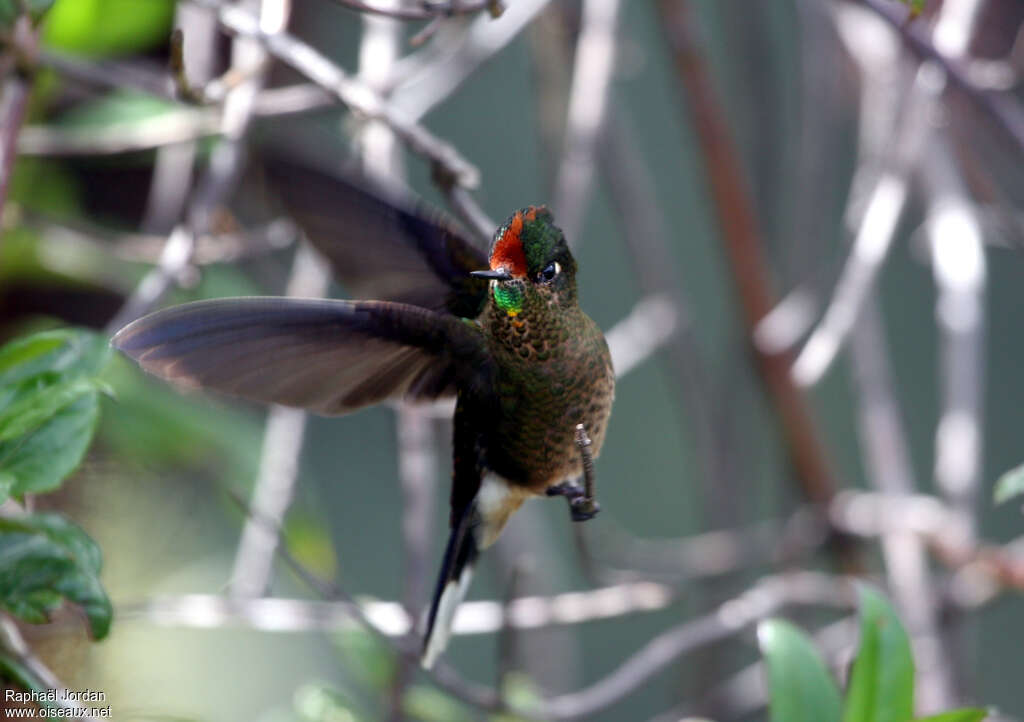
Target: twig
(765,598)
(431,83)
(430,11)
(958,264)
(13,105)
(593,64)
(174,261)
(623,556)
(466,207)
(390,618)
(1007,115)
(877,229)
(887,465)
(318,68)
(651,323)
(442,674)
(285,428)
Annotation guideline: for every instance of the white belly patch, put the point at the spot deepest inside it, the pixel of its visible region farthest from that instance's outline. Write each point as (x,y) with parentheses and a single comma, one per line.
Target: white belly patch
(496,501)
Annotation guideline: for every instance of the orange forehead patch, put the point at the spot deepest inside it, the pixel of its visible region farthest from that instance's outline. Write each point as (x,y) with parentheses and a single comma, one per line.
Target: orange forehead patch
(508,250)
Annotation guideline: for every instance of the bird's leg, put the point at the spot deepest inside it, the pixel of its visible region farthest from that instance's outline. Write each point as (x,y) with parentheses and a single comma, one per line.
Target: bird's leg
(582,504)
(585,506)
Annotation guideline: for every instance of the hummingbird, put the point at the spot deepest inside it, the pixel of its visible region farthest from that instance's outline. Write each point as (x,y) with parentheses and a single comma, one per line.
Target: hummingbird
(502,333)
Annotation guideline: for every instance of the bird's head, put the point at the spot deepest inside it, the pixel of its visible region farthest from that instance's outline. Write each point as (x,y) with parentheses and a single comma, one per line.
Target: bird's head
(531,265)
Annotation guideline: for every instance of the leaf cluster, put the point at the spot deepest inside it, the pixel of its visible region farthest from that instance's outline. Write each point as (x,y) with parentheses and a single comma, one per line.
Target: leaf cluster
(49,406)
(881,684)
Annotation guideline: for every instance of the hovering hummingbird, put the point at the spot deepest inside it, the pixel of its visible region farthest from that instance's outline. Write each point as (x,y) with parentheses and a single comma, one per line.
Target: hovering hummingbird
(504,335)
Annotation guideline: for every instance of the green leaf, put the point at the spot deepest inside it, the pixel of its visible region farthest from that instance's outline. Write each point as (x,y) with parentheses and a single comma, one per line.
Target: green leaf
(1010,484)
(26,405)
(72,352)
(971,714)
(801,689)
(41,460)
(103,28)
(48,407)
(44,557)
(881,685)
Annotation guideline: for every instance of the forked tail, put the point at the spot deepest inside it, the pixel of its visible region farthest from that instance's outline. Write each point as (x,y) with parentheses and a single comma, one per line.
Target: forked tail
(452,584)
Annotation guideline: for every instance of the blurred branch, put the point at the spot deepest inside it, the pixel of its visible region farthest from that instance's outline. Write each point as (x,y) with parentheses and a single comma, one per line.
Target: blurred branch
(429,10)
(13,106)
(651,323)
(745,253)
(15,87)
(428,84)
(958,264)
(1001,108)
(764,598)
(275,614)
(877,227)
(593,65)
(285,427)
(886,454)
(621,556)
(318,68)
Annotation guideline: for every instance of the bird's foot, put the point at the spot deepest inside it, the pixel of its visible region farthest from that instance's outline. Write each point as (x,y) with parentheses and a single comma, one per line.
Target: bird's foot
(581,508)
(569,489)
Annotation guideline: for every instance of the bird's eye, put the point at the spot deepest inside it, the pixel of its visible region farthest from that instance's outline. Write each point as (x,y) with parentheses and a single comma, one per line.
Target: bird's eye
(550,271)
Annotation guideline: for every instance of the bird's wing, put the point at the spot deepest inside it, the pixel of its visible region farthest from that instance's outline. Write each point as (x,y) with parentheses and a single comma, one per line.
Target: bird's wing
(380,242)
(328,356)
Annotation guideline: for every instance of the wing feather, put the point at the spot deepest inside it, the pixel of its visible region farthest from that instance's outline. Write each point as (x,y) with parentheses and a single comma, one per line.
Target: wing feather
(380,242)
(328,356)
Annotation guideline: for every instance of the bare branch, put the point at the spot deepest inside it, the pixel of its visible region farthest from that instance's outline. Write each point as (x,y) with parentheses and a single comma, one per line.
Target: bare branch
(13,105)
(949,45)
(746,256)
(958,264)
(431,83)
(649,325)
(886,202)
(588,103)
(429,11)
(318,68)
(765,598)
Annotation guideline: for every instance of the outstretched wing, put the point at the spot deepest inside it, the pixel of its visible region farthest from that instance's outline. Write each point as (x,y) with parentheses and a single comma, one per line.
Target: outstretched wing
(328,356)
(381,243)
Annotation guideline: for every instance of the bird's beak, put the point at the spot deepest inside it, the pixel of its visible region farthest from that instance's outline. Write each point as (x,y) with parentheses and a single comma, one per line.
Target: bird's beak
(495,275)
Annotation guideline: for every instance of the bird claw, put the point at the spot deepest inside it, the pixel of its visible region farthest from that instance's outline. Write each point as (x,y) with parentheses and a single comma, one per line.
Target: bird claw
(581,508)
(568,489)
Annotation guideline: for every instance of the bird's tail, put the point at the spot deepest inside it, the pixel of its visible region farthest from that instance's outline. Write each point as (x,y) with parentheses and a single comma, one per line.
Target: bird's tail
(452,584)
